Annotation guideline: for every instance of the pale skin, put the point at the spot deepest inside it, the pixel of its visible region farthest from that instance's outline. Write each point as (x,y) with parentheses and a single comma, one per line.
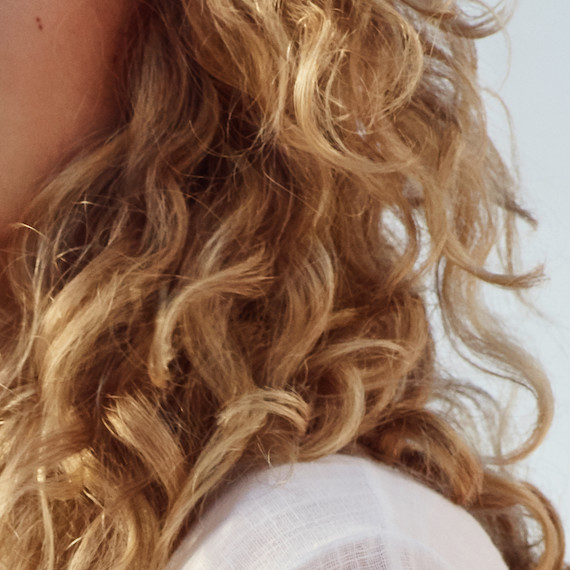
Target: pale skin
(58,82)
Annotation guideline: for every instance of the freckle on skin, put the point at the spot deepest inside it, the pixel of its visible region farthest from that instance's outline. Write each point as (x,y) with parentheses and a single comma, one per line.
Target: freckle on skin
(40,24)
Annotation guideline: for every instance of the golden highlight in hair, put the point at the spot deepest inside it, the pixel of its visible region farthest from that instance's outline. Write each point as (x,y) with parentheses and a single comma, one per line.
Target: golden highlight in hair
(240,275)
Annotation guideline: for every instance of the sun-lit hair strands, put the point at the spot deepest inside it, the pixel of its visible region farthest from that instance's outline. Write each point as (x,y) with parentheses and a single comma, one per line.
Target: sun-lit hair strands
(264,415)
(249,271)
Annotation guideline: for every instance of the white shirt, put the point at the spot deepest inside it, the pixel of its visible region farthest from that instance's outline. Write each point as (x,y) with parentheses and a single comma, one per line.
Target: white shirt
(338,512)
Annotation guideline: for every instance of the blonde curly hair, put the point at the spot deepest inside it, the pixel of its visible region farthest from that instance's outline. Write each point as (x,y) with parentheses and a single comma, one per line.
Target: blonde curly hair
(241,274)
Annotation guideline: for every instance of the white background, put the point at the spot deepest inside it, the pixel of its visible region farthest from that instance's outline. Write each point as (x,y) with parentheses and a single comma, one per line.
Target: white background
(535,85)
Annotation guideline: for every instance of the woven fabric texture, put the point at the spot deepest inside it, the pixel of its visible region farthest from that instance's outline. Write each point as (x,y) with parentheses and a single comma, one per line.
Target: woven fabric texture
(338,512)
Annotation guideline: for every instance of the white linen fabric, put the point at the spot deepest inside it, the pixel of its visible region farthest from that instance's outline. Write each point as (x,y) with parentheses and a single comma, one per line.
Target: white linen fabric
(338,512)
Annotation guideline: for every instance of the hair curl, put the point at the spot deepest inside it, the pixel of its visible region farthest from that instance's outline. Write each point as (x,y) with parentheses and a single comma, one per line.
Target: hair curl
(241,275)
